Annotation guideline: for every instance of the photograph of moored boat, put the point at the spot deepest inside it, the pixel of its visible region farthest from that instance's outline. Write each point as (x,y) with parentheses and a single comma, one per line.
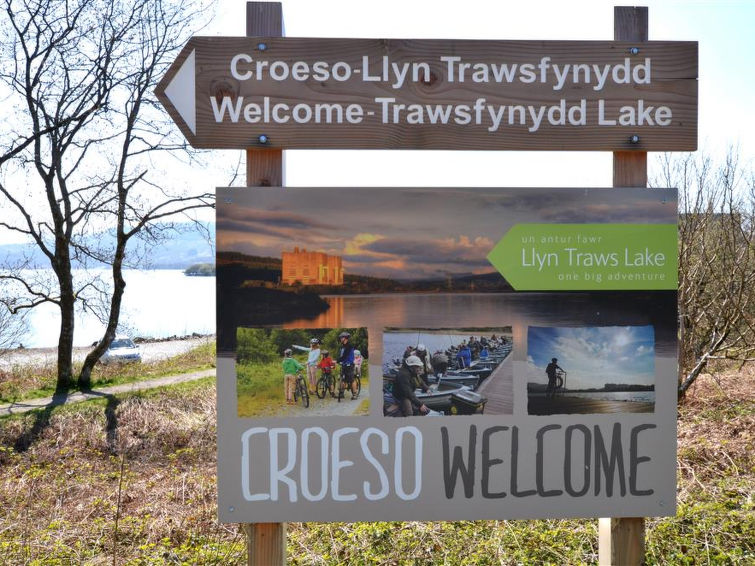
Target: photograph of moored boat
(459,371)
(590,370)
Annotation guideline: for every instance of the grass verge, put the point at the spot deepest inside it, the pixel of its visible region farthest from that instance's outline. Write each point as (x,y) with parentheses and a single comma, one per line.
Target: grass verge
(259,387)
(148,459)
(29,382)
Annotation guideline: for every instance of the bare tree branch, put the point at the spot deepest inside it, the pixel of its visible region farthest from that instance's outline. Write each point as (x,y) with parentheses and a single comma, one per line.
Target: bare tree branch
(81,75)
(716,261)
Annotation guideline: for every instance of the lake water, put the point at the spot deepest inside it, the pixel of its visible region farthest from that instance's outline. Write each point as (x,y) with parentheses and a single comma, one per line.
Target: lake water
(395,343)
(634,396)
(157,303)
(496,310)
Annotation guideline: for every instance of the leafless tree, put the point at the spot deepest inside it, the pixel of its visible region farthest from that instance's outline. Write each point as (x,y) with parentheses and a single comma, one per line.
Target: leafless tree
(716,261)
(13,327)
(79,156)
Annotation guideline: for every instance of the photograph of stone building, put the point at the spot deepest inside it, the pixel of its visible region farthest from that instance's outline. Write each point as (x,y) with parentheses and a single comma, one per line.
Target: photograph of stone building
(311,268)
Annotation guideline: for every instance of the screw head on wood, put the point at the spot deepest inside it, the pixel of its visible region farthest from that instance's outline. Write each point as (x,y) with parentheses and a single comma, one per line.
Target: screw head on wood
(634,50)
(263,139)
(262,46)
(634,139)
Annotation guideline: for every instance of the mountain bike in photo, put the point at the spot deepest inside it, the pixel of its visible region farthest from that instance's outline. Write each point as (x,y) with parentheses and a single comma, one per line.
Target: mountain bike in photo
(343,384)
(300,390)
(326,384)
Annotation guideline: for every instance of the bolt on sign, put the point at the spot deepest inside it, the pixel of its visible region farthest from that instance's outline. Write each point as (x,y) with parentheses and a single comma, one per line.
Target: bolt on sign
(516,353)
(228,92)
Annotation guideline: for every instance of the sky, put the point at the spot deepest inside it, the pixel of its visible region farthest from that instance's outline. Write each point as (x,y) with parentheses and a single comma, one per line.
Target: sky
(726,85)
(726,49)
(593,356)
(413,233)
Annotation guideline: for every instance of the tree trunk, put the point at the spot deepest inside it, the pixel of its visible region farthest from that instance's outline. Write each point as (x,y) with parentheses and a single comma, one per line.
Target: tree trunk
(65,341)
(119,286)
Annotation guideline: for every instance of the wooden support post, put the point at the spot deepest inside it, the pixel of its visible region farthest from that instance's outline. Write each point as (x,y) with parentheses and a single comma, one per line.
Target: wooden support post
(266,542)
(622,540)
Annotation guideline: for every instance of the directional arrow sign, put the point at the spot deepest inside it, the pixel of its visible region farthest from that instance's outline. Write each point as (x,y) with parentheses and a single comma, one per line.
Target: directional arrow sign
(238,92)
(572,257)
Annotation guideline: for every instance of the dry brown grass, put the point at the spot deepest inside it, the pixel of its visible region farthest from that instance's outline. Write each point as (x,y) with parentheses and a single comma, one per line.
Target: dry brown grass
(35,380)
(60,473)
(717,425)
(59,497)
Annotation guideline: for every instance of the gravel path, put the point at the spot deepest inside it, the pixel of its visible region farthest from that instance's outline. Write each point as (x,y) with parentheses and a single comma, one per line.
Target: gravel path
(78,396)
(328,407)
(151,351)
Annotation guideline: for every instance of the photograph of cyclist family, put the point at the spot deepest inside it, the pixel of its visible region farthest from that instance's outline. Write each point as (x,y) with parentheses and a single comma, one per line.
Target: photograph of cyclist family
(307,372)
(437,372)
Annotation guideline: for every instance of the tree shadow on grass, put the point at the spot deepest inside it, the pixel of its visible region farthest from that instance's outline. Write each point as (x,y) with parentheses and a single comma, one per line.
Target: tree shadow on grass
(42,419)
(41,422)
(111,418)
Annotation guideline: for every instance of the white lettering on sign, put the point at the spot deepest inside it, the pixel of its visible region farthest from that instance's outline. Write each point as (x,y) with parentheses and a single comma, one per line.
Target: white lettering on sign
(640,115)
(397,74)
(493,117)
(322,468)
(280,113)
(482,113)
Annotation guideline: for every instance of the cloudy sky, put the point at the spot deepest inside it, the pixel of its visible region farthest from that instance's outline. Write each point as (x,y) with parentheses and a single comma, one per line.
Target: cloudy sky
(414,233)
(722,28)
(593,356)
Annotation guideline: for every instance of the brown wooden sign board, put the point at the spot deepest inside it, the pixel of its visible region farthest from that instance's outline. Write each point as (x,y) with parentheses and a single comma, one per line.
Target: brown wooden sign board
(304,93)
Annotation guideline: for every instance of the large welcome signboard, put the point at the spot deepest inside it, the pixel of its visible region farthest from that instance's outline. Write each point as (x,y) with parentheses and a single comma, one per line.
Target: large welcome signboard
(228,92)
(548,327)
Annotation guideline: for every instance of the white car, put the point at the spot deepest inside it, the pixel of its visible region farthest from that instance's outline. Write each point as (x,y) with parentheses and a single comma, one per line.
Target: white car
(121,350)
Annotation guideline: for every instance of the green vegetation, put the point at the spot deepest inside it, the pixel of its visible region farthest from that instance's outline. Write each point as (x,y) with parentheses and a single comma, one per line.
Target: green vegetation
(201,269)
(255,345)
(29,382)
(259,388)
(259,352)
(60,473)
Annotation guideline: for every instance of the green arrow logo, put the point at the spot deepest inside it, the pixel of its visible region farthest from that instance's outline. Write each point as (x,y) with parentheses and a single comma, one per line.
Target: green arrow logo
(577,257)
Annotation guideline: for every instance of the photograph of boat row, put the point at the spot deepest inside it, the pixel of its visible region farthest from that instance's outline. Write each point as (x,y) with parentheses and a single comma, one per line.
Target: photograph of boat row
(447,372)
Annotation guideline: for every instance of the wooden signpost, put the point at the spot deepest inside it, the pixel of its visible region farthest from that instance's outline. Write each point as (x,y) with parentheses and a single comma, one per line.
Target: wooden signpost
(266,542)
(621,540)
(265,93)
(301,93)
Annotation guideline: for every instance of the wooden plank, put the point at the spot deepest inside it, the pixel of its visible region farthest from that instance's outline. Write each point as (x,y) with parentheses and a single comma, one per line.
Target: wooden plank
(630,23)
(621,542)
(622,539)
(378,122)
(630,169)
(264,168)
(264,18)
(266,542)
(498,388)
